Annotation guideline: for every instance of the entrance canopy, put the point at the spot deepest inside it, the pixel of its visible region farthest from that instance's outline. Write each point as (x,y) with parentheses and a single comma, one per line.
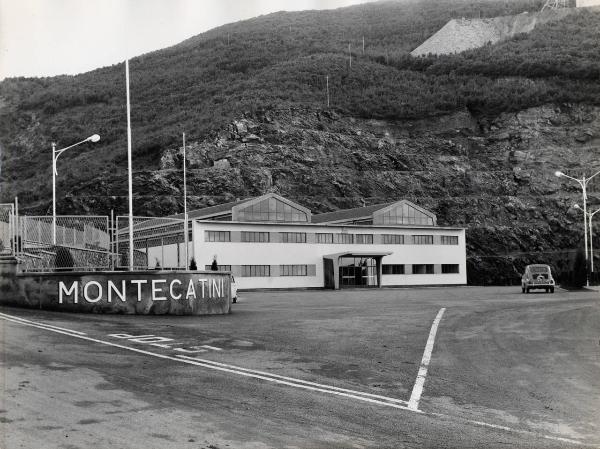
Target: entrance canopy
(357,254)
(353,269)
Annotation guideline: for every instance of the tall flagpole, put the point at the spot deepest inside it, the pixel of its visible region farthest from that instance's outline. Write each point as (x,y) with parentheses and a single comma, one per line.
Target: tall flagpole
(185,215)
(129,182)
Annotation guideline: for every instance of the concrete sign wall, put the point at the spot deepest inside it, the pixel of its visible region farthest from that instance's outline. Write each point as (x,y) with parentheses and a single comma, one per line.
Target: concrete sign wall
(137,292)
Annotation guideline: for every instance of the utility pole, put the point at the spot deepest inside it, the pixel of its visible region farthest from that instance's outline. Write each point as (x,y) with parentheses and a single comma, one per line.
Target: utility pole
(129,169)
(327,84)
(363,45)
(350,54)
(185,214)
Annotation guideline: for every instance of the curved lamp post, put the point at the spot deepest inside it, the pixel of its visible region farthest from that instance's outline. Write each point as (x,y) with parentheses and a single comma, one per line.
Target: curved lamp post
(55,154)
(589,215)
(583,182)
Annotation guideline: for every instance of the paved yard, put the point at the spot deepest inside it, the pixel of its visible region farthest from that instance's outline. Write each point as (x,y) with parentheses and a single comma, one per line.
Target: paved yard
(431,367)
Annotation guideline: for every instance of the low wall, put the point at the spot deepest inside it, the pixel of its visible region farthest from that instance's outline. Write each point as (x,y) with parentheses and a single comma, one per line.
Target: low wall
(128,292)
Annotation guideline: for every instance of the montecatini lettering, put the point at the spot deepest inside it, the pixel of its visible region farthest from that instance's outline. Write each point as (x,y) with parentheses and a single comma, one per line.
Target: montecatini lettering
(156,289)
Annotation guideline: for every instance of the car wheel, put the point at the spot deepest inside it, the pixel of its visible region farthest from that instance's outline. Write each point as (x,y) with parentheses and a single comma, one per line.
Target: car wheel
(527,290)
(551,289)
(522,289)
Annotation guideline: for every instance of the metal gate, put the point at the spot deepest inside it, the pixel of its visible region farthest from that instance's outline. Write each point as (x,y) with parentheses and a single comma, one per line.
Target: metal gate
(158,243)
(64,242)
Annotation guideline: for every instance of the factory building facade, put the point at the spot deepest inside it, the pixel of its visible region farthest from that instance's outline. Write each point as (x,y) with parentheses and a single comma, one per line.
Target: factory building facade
(270,242)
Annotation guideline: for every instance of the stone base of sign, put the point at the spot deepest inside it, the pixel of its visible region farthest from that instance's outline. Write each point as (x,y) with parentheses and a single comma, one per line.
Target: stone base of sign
(125,292)
(9,288)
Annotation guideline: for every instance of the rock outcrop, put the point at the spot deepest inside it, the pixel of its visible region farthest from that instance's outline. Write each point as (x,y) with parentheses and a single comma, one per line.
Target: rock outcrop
(494,176)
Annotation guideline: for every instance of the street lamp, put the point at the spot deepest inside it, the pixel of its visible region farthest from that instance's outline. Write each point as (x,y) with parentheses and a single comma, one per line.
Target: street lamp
(589,216)
(55,154)
(583,182)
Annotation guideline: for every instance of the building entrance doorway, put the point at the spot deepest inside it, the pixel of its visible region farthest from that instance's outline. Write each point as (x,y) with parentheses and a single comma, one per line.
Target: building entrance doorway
(358,272)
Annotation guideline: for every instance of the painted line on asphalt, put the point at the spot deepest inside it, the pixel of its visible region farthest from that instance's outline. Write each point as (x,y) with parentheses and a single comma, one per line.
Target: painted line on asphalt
(49,326)
(214,348)
(390,402)
(296,381)
(511,429)
(417,391)
(245,372)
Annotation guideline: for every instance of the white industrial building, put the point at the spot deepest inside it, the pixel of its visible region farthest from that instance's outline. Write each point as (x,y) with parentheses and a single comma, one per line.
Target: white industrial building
(272,242)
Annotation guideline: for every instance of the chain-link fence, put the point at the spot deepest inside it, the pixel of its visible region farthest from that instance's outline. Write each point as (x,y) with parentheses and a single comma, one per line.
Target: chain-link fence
(7,229)
(64,243)
(158,243)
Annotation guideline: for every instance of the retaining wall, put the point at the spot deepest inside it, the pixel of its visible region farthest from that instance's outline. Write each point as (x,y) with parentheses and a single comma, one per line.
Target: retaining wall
(128,292)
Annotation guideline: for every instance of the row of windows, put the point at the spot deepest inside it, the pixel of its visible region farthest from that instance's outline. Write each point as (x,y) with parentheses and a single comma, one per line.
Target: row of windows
(265,270)
(258,237)
(302,270)
(418,269)
(300,237)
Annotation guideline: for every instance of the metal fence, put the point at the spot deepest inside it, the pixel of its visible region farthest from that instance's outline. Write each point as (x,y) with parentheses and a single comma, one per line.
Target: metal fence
(64,243)
(7,229)
(158,243)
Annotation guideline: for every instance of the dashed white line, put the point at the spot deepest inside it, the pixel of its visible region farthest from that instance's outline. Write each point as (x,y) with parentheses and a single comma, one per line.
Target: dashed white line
(417,391)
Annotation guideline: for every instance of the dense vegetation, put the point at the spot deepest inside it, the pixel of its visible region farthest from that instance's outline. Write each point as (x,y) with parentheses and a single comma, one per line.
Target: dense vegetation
(283,59)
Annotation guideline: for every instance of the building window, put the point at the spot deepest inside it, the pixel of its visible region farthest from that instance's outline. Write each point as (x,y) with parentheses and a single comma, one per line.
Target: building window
(450,268)
(393,239)
(449,240)
(392,269)
(364,238)
(344,238)
(272,209)
(252,271)
(219,267)
(422,269)
(293,237)
(293,270)
(324,238)
(218,236)
(422,239)
(257,237)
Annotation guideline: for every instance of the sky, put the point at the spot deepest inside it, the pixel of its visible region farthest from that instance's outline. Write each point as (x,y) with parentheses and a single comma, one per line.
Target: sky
(55,37)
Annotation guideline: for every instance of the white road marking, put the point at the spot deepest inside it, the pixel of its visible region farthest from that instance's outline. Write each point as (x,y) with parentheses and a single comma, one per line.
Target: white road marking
(294,380)
(390,402)
(46,325)
(274,378)
(511,429)
(417,391)
(214,348)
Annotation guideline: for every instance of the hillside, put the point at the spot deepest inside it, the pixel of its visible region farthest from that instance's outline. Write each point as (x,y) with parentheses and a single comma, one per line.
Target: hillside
(465,135)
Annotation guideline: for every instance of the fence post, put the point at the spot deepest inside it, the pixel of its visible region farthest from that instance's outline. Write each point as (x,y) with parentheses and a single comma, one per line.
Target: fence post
(111,240)
(17,229)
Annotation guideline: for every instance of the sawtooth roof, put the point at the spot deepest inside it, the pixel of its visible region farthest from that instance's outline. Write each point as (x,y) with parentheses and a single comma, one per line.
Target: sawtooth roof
(349,214)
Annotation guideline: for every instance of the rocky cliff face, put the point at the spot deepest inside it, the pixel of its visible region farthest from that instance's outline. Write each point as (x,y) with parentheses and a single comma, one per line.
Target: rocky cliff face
(494,176)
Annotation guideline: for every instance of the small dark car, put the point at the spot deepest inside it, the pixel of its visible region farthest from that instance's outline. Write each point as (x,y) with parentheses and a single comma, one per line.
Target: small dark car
(537,276)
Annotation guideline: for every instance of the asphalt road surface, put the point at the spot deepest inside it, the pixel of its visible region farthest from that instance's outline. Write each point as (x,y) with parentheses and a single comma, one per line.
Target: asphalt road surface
(433,367)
